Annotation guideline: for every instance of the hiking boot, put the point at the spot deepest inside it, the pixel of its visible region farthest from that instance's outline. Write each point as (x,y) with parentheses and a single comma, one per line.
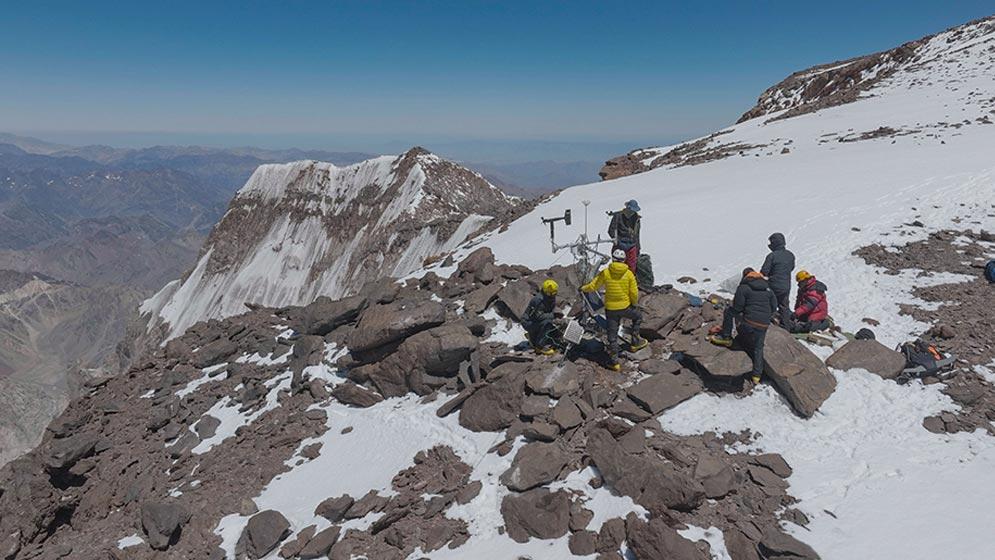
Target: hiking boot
(721,340)
(615,366)
(638,344)
(755,379)
(546,351)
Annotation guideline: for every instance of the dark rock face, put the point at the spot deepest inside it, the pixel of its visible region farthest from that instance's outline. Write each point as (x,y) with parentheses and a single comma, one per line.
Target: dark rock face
(352,394)
(870,355)
(424,361)
(535,464)
(656,540)
(333,509)
(799,375)
(162,523)
(496,405)
(777,544)
(264,531)
(383,324)
(662,391)
(537,513)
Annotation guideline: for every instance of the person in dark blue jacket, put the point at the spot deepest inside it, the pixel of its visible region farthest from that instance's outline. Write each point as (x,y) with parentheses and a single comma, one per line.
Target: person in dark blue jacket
(753,307)
(778,267)
(539,320)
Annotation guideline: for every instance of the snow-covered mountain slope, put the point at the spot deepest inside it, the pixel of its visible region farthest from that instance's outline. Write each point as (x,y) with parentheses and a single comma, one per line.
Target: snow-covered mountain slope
(917,147)
(300,230)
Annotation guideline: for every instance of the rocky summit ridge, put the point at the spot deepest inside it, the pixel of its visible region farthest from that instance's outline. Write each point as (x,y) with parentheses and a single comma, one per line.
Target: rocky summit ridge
(228,441)
(301,230)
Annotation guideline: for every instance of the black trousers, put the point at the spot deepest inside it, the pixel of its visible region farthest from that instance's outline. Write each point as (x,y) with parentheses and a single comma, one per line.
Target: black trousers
(794,326)
(614,319)
(541,333)
(783,306)
(748,337)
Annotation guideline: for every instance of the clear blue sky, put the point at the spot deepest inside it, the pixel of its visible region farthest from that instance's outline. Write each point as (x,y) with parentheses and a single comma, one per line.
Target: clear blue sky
(351,74)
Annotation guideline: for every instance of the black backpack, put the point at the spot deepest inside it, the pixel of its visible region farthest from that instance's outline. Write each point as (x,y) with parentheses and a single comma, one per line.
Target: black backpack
(644,271)
(922,358)
(990,271)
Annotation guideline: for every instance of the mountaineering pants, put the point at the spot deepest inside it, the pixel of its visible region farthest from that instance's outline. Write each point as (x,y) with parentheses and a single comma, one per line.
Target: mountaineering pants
(784,310)
(753,338)
(541,333)
(794,326)
(614,319)
(750,338)
(631,256)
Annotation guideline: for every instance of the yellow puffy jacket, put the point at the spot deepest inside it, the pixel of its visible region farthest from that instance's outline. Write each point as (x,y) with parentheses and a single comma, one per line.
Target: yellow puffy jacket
(621,290)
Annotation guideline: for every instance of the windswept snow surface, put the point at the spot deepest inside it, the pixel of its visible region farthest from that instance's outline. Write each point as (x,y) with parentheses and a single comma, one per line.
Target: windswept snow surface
(873,481)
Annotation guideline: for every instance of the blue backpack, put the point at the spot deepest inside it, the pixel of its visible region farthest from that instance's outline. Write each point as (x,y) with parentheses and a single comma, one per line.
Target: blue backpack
(990,271)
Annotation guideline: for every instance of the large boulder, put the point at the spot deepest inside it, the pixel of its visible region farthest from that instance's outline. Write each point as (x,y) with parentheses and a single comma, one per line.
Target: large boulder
(515,297)
(715,475)
(655,540)
(264,531)
(354,395)
(798,373)
(553,378)
(537,513)
(497,404)
(162,523)
(320,544)
(214,353)
(778,544)
(478,300)
(661,313)
(869,355)
(424,361)
(716,361)
(383,324)
(662,391)
(535,464)
(65,452)
(333,509)
(324,315)
(650,482)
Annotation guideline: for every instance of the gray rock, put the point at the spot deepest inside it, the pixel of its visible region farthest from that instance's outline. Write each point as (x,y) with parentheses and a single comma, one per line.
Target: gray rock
(582,543)
(716,476)
(369,503)
(478,300)
(656,367)
(541,431)
(496,405)
(662,391)
(214,353)
(870,355)
(424,361)
(535,405)
(333,509)
(537,513)
(566,414)
(739,546)
(799,375)
(535,464)
(354,395)
(65,452)
(515,297)
(656,540)
(650,482)
(611,536)
(324,315)
(383,324)
(553,378)
(717,361)
(776,543)
(469,492)
(320,544)
(773,462)
(661,313)
(207,426)
(263,533)
(163,523)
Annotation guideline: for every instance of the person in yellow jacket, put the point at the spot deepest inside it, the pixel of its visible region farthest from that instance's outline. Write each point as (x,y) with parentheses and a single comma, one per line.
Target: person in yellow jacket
(621,297)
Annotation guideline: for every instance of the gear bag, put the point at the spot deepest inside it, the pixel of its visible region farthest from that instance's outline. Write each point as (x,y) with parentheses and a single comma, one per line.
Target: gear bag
(922,358)
(644,271)
(990,271)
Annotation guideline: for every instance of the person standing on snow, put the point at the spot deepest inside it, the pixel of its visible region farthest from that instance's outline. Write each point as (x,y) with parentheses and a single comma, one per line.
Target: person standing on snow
(539,319)
(621,296)
(811,306)
(777,267)
(753,307)
(624,231)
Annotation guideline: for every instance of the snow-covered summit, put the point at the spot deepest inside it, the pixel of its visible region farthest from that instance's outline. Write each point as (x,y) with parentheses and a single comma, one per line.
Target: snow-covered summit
(920,88)
(300,230)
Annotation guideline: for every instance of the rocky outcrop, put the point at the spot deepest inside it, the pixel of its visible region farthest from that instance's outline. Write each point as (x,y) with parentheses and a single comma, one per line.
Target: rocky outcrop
(869,355)
(798,373)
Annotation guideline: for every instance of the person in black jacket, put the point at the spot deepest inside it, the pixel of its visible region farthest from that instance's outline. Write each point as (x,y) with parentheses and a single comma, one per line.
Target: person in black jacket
(753,307)
(539,320)
(778,267)
(624,231)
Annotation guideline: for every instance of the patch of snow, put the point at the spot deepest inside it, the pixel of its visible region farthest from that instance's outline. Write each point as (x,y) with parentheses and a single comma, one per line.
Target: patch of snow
(713,536)
(506,331)
(129,541)
(227,411)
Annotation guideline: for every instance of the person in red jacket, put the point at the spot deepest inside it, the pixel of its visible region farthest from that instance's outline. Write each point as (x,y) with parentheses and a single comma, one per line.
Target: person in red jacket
(811,306)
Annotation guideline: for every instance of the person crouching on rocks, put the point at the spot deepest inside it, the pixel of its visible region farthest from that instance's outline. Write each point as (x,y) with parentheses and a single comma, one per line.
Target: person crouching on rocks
(539,320)
(753,307)
(621,296)
(778,266)
(624,231)
(811,306)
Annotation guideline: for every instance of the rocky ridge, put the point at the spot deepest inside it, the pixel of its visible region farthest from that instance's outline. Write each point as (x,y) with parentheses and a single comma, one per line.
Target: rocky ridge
(165,454)
(306,229)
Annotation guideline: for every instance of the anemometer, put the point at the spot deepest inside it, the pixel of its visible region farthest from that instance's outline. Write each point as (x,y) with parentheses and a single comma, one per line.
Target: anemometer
(587,257)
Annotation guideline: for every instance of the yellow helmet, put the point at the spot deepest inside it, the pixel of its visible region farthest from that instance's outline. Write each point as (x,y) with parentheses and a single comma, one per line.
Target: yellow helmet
(549,287)
(802,276)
